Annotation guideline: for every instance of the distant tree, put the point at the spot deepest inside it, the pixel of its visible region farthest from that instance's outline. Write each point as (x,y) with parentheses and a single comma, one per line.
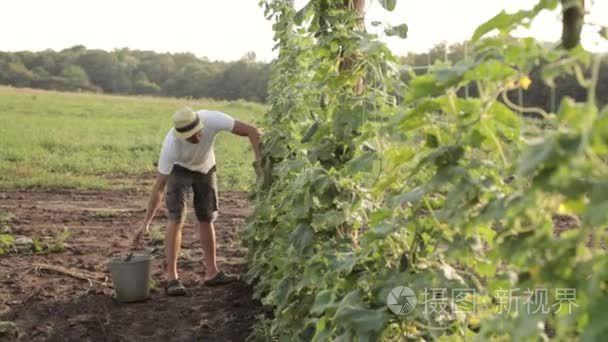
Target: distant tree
(101,67)
(191,80)
(18,75)
(186,58)
(76,49)
(76,77)
(158,68)
(249,57)
(27,58)
(138,72)
(45,80)
(46,59)
(243,79)
(142,85)
(41,72)
(120,79)
(7,57)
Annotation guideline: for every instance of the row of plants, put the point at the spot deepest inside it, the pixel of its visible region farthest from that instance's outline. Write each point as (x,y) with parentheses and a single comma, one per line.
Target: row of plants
(372,185)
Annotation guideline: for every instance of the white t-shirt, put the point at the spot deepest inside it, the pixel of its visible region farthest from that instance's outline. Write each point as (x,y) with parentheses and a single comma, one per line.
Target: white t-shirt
(196,157)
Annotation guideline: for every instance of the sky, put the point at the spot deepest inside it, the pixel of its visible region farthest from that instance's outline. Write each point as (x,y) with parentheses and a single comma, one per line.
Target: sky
(228,29)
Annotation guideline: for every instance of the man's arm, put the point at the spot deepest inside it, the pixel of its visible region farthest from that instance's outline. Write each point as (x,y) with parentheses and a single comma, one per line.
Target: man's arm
(246,130)
(155,197)
(158,190)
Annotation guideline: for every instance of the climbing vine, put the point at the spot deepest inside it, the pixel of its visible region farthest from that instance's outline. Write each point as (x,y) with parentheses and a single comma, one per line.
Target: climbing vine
(371,184)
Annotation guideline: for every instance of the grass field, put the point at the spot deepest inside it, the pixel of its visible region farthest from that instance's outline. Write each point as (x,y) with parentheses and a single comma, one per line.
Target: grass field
(53,139)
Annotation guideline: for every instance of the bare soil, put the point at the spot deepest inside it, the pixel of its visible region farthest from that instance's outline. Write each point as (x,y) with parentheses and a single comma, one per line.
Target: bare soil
(46,305)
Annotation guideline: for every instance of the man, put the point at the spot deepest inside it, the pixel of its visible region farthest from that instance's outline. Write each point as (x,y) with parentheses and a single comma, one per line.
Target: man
(187,162)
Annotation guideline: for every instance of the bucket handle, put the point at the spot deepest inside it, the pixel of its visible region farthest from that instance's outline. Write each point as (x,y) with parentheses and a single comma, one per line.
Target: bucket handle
(129,257)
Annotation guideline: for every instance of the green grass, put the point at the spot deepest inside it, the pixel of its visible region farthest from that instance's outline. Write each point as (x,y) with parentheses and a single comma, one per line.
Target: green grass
(157,236)
(52,139)
(5,217)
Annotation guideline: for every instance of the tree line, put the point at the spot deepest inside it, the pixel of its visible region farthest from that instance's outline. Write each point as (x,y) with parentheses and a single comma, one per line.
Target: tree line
(538,94)
(136,72)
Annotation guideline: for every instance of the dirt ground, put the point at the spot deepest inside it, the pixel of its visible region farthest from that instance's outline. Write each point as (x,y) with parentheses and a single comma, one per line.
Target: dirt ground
(46,305)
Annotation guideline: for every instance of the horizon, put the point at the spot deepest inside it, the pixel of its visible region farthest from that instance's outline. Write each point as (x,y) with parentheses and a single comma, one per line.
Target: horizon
(228,41)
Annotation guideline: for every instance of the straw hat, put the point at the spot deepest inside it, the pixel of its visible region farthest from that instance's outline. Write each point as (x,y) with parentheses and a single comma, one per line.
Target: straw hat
(186,123)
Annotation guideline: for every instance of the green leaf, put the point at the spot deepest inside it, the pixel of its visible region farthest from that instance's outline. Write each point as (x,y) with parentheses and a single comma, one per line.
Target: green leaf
(505,116)
(504,22)
(322,331)
(302,239)
(454,74)
(423,86)
(597,210)
(547,4)
(362,163)
(476,138)
(288,166)
(492,70)
(413,196)
(508,122)
(330,219)
(345,337)
(399,31)
(37,246)
(301,206)
(501,22)
(600,135)
(441,157)
(283,289)
(379,215)
(526,325)
(597,329)
(535,156)
(322,301)
(353,314)
(384,229)
(304,13)
(6,240)
(388,5)
(344,262)
(348,119)
(414,118)
(569,112)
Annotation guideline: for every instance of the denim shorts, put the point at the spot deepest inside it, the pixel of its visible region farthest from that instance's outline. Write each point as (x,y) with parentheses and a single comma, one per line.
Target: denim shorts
(203,186)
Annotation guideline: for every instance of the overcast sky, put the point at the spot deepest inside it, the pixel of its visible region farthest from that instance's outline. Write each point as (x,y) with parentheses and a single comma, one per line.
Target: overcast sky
(227,29)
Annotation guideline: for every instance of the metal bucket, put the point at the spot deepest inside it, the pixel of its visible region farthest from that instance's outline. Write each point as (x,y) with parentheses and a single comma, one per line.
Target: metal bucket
(131,277)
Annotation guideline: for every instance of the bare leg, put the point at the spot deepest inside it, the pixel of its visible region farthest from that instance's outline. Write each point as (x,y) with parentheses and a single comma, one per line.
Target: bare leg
(207,235)
(173,241)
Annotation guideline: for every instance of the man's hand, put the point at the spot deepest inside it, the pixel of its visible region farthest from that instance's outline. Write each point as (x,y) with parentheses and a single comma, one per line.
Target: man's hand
(139,236)
(155,198)
(246,130)
(257,165)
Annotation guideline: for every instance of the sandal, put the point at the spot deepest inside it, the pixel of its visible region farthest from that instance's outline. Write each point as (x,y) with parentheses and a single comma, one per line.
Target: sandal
(222,278)
(175,288)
